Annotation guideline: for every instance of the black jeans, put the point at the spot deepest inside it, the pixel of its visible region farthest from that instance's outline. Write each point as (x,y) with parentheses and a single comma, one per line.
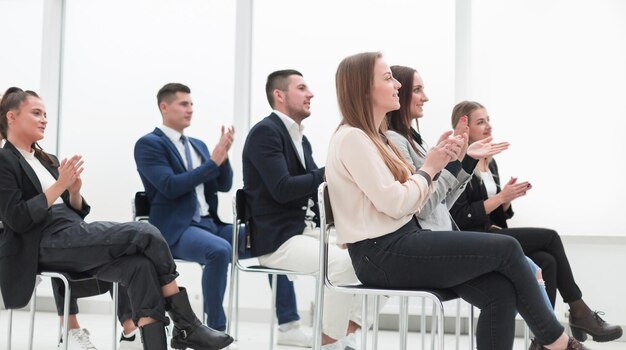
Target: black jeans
(545,248)
(489,271)
(135,254)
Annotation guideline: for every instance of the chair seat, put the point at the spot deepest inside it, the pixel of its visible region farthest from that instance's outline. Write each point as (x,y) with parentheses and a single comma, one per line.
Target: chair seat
(441,294)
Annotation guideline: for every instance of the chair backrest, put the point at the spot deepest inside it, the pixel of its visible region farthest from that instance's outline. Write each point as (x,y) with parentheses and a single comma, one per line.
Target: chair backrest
(141,206)
(326,223)
(240,205)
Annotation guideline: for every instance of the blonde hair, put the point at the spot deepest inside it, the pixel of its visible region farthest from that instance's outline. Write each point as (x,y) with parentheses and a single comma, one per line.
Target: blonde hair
(354,80)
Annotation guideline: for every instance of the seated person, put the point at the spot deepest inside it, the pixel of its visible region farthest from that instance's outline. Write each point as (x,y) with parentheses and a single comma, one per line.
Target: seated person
(181,179)
(485,206)
(281,179)
(452,180)
(42,211)
(375,195)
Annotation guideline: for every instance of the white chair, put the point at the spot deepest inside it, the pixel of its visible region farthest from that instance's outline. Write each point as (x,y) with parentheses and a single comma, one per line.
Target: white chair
(239,218)
(437,296)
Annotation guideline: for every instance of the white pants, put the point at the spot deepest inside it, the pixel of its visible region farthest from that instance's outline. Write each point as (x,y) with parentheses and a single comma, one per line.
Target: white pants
(301,253)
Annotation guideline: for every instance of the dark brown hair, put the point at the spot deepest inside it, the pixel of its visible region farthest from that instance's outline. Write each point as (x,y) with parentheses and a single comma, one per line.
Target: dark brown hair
(168,91)
(12,100)
(400,119)
(278,80)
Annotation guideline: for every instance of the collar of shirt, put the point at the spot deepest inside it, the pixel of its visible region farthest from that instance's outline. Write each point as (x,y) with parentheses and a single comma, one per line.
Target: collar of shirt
(171,134)
(295,130)
(27,155)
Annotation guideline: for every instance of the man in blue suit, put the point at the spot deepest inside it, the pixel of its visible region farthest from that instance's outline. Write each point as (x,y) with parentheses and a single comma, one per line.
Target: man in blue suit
(181,179)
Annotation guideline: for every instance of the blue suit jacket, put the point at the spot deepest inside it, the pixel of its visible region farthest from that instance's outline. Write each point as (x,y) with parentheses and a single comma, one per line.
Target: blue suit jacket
(276,184)
(170,188)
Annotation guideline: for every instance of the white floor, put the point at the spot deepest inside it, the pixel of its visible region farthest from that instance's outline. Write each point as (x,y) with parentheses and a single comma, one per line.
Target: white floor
(252,335)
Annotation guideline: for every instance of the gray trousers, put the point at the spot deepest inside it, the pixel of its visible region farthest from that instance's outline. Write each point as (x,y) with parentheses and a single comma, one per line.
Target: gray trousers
(135,254)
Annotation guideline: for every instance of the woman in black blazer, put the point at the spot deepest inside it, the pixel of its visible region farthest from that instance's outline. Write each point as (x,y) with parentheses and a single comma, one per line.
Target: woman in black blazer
(43,211)
(486,206)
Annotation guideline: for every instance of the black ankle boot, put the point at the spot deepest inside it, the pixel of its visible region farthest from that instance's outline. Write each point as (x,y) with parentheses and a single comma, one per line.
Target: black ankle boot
(153,336)
(188,331)
(593,324)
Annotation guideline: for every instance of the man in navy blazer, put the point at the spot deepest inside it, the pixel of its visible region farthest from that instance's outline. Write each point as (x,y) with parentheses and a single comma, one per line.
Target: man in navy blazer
(280,181)
(183,197)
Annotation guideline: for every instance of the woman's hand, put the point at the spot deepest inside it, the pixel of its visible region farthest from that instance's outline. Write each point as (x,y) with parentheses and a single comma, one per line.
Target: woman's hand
(485,148)
(513,190)
(462,129)
(447,149)
(69,173)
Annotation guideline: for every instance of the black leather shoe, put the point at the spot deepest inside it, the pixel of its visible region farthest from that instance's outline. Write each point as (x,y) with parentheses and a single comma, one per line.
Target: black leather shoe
(188,331)
(153,336)
(594,324)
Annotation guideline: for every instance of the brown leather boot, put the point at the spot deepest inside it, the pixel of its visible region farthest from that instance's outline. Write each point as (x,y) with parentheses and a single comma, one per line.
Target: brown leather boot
(594,324)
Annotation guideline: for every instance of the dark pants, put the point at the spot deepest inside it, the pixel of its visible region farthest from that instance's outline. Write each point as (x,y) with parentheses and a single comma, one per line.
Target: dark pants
(133,254)
(489,271)
(209,244)
(545,248)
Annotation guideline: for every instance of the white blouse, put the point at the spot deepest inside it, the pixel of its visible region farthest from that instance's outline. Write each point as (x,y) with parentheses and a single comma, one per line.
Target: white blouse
(45,178)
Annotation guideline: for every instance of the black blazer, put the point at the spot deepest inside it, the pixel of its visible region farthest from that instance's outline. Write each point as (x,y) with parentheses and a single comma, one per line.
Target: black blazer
(23,211)
(469,211)
(276,184)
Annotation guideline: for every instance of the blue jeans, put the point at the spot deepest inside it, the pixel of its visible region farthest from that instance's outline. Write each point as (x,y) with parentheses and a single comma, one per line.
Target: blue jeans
(534,268)
(209,244)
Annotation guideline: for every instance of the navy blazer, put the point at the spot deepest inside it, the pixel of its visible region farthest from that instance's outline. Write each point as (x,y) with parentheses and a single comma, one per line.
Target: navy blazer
(171,189)
(276,184)
(23,211)
(469,210)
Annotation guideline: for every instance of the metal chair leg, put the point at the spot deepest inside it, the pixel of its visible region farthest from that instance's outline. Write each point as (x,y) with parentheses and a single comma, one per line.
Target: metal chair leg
(423,323)
(441,325)
(31,327)
(470,327)
(376,323)
(364,322)
(66,311)
(433,326)
(403,322)
(115,302)
(457,325)
(9,326)
(273,310)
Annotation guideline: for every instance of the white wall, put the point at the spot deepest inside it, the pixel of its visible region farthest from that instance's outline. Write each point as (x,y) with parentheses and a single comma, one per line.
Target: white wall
(550,73)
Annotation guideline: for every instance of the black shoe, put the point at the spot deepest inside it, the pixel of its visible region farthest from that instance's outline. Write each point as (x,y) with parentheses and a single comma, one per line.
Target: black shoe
(188,331)
(594,324)
(153,336)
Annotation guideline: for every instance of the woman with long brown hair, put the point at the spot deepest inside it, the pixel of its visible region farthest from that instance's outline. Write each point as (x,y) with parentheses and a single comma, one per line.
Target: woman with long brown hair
(375,195)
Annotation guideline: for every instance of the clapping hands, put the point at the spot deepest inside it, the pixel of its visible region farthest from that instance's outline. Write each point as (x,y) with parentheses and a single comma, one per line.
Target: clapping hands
(220,152)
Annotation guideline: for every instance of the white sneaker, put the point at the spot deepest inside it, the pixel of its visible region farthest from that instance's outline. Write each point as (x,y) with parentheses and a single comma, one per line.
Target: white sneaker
(293,335)
(131,341)
(338,345)
(352,341)
(78,339)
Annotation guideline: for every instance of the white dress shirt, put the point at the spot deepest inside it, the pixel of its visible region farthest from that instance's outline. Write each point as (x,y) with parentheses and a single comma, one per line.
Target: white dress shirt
(295,131)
